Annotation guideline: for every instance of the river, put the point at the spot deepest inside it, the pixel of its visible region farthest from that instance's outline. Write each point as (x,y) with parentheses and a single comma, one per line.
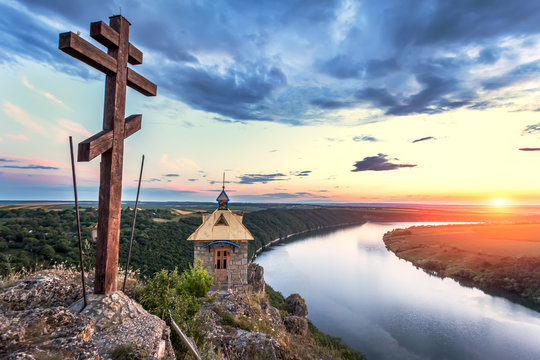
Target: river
(377,303)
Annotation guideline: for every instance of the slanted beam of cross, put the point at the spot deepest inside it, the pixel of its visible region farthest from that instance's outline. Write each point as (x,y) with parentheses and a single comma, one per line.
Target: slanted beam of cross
(109,143)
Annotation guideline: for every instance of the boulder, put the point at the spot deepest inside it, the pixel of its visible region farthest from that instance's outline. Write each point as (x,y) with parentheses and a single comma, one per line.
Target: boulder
(295,305)
(296,325)
(40,318)
(256,277)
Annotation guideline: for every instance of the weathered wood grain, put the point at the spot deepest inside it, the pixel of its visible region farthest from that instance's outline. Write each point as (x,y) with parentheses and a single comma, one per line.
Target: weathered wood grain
(81,49)
(107,36)
(109,143)
(141,84)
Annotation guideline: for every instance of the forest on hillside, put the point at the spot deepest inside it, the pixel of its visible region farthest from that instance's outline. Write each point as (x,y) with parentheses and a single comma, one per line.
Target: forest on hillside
(32,238)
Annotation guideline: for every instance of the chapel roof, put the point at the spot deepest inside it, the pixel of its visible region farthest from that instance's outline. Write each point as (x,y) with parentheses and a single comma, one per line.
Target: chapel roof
(221,225)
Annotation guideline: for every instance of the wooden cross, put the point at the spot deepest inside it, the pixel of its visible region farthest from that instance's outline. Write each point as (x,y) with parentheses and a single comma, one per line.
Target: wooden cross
(109,143)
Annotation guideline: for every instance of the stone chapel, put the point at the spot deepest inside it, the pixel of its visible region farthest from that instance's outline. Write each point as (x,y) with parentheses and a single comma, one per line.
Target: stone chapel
(221,242)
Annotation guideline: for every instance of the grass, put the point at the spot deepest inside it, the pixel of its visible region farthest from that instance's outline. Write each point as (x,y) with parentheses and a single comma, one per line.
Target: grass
(123,352)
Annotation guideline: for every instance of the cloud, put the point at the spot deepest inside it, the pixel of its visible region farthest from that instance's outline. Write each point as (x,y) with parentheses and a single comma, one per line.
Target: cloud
(240,92)
(531,129)
(378,163)
(30,167)
(17,137)
(74,127)
(22,117)
(297,62)
(424,139)
(331,139)
(529,149)
(518,74)
(42,93)
(22,163)
(261,178)
(301,173)
(297,195)
(192,180)
(177,164)
(365,138)
(171,175)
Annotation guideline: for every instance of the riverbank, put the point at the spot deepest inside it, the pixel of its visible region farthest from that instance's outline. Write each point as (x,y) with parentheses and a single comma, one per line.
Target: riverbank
(500,259)
(307,231)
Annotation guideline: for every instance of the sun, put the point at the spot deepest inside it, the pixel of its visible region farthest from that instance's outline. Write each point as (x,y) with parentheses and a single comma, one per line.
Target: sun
(499,202)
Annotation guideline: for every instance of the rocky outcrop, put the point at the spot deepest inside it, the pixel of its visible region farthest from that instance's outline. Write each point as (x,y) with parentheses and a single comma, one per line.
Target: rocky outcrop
(256,277)
(296,325)
(295,305)
(41,318)
(243,325)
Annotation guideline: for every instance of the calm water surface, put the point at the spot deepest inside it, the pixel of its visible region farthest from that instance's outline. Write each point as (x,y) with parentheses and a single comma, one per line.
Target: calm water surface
(385,307)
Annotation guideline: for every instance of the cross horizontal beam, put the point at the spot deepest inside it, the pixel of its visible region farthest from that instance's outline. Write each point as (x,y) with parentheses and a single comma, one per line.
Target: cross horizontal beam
(140,83)
(103,140)
(81,49)
(107,36)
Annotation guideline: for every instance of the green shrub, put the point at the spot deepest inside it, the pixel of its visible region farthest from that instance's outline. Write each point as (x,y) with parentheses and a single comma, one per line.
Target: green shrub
(179,294)
(196,281)
(275,298)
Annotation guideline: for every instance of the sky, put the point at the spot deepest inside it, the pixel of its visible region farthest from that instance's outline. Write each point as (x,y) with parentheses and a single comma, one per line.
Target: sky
(296,101)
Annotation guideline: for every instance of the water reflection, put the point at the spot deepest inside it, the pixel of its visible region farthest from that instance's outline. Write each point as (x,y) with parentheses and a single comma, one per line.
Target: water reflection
(384,306)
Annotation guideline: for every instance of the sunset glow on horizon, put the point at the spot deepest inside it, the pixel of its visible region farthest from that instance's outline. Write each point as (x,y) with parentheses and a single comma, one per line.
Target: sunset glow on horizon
(338,102)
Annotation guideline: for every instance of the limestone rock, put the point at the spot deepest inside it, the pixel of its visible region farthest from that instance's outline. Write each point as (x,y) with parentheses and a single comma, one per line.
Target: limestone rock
(296,325)
(40,318)
(236,323)
(295,305)
(256,277)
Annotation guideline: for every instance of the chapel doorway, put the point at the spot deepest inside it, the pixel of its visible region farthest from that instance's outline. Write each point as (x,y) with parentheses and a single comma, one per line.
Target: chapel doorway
(221,266)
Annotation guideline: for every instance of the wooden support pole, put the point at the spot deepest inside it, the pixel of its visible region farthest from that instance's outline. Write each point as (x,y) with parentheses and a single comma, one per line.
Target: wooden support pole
(133,226)
(78,221)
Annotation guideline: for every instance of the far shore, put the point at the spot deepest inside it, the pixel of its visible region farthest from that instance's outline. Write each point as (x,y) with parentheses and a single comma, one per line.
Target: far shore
(500,259)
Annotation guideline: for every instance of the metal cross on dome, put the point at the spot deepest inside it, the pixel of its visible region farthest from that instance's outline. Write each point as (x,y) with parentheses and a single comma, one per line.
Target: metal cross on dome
(109,143)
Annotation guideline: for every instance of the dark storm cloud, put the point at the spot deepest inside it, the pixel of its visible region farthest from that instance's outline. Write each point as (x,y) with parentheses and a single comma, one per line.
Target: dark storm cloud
(519,73)
(329,104)
(236,93)
(344,67)
(365,138)
(378,97)
(390,56)
(378,163)
(467,21)
(30,167)
(341,67)
(489,55)
(423,139)
(30,39)
(261,178)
